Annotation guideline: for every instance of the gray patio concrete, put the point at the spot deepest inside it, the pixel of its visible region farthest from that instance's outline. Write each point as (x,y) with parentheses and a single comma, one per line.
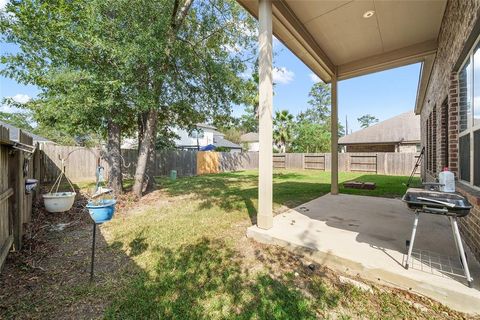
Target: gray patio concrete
(366,236)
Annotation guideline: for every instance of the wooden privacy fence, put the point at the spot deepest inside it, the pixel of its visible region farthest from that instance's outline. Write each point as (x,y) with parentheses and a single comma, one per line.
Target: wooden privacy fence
(16,166)
(314,161)
(82,162)
(387,163)
(364,163)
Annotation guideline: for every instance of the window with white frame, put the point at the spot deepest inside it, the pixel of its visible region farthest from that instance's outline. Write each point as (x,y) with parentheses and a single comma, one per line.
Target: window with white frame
(469,118)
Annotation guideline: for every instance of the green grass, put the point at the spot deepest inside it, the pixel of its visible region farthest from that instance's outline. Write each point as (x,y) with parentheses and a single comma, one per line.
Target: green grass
(186,245)
(290,187)
(181,253)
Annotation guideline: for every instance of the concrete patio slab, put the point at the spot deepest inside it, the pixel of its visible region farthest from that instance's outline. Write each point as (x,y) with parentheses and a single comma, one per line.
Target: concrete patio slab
(366,236)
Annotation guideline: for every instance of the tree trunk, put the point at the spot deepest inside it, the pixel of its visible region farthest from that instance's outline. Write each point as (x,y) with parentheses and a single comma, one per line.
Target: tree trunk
(114,157)
(150,172)
(145,148)
(141,127)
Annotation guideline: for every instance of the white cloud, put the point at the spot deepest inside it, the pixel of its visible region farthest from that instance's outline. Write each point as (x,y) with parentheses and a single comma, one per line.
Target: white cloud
(282,75)
(3,3)
(9,109)
(314,77)
(21,98)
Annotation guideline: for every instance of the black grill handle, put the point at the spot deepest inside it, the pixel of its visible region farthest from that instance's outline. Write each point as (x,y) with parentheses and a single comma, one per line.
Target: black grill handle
(435,210)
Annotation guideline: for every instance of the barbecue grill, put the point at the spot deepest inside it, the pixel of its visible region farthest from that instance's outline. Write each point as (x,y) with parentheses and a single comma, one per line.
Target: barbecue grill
(451,205)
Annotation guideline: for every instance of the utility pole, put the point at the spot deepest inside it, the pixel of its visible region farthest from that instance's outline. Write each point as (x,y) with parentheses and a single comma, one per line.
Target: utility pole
(346,125)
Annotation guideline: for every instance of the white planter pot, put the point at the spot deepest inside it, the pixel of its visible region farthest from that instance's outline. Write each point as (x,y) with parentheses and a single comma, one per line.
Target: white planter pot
(59,202)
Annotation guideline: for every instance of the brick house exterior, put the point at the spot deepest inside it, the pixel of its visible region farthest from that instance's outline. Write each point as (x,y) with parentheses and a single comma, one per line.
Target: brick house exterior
(440,118)
(397,134)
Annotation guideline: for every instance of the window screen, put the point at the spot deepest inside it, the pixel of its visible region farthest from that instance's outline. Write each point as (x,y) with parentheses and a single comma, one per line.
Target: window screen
(476,158)
(464,154)
(465,87)
(476,86)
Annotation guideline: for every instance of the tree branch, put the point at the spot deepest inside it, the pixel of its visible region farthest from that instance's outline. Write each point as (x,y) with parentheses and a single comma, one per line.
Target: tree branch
(182,13)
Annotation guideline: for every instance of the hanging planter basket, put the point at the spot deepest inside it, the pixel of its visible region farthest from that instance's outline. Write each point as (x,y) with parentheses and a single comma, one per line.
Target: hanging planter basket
(101,210)
(59,201)
(30,185)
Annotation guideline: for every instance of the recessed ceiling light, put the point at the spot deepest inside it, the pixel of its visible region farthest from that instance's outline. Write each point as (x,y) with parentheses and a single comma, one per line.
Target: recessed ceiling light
(368,14)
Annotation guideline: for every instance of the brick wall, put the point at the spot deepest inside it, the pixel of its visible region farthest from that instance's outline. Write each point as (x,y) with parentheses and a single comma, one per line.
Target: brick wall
(371,148)
(457,25)
(442,138)
(453,123)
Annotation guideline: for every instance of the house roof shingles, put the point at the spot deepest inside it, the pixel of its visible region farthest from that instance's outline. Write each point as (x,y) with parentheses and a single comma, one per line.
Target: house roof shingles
(219,141)
(402,128)
(249,137)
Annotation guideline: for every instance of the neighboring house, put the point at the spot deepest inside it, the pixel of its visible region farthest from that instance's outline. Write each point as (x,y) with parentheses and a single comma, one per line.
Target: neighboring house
(14,134)
(398,134)
(250,141)
(450,110)
(204,135)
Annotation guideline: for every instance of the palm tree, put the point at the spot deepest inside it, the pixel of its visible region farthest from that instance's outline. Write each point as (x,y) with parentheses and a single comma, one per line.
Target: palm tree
(282,132)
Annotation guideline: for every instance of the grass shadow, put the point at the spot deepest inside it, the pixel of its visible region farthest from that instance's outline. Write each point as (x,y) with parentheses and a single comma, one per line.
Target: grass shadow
(204,280)
(239,190)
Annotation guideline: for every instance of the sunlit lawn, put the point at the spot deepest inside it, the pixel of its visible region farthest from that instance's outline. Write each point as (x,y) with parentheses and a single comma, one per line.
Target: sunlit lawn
(181,253)
(190,249)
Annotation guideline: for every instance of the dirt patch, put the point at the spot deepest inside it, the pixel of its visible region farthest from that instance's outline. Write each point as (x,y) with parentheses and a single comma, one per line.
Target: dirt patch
(49,278)
(351,301)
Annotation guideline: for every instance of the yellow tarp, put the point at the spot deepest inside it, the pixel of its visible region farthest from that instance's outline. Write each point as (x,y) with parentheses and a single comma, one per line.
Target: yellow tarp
(208,162)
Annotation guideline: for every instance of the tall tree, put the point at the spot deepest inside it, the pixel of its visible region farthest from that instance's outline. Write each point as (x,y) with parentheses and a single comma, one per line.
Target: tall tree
(68,51)
(311,137)
(102,63)
(249,120)
(282,129)
(312,131)
(192,76)
(367,120)
(320,101)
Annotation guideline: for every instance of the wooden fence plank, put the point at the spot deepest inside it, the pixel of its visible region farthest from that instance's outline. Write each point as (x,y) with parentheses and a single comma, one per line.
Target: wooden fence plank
(6,232)
(82,162)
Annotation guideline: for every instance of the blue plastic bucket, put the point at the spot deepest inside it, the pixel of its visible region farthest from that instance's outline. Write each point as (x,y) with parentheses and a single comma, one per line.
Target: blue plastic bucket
(102,211)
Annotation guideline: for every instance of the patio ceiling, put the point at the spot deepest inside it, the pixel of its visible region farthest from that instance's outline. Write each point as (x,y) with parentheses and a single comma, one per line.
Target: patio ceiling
(333,37)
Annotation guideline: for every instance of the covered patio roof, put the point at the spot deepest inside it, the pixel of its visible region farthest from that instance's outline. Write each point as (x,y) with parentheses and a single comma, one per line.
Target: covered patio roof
(338,40)
(342,39)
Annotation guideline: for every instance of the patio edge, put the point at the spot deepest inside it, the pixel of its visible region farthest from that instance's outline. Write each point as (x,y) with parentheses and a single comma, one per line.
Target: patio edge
(451,298)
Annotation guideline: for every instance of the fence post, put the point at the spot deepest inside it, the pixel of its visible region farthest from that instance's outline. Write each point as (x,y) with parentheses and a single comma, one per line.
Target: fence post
(37,170)
(16,200)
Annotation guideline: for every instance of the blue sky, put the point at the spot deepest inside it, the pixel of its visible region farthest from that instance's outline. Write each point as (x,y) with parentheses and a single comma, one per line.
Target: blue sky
(383,94)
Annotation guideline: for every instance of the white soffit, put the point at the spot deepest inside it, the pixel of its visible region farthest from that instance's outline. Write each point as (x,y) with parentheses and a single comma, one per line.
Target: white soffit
(337,32)
(332,36)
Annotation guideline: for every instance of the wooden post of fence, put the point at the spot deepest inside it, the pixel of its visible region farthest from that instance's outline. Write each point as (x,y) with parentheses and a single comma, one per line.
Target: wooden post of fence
(36,170)
(16,201)
(6,193)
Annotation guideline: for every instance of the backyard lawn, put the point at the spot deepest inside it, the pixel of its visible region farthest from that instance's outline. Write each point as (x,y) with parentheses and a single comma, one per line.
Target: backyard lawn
(181,253)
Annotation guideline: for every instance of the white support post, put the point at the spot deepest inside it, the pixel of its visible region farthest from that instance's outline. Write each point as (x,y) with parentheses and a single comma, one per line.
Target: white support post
(265,166)
(334,139)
